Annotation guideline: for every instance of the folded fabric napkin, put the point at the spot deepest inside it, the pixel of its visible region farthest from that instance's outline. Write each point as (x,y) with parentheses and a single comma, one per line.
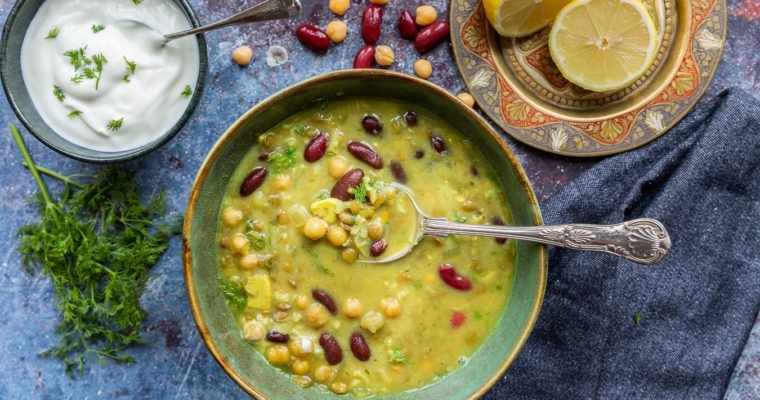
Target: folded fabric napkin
(611,329)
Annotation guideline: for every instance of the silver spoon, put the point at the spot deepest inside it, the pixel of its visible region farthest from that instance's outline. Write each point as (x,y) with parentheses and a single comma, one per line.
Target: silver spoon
(644,240)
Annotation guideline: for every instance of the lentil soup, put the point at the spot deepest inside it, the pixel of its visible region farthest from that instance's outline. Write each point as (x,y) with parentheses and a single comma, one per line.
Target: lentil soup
(311,200)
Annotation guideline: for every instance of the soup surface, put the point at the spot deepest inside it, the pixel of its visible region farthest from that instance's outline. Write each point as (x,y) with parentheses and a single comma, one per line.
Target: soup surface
(296,223)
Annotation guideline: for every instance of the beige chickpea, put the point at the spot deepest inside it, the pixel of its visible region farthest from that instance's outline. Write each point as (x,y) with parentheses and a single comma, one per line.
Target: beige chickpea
(336,31)
(316,316)
(323,373)
(352,308)
(384,55)
(301,346)
(242,55)
(423,68)
(339,7)
(302,301)
(315,228)
(249,261)
(425,15)
(231,216)
(338,387)
(240,244)
(253,331)
(375,229)
(278,354)
(390,306)
(337,235)
(372,321)
(467,98)
(283,182)
(301,367)
(337,167)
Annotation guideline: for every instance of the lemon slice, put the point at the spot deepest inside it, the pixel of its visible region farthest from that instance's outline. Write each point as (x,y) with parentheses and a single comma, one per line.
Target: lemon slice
(603,45)
(515,18)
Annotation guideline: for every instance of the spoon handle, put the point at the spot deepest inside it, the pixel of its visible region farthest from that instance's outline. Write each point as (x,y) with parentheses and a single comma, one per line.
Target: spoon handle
(267,10)
(644,241)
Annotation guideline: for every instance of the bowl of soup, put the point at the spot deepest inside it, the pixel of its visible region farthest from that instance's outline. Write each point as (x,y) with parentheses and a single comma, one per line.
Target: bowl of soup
(93,80)
(301,191)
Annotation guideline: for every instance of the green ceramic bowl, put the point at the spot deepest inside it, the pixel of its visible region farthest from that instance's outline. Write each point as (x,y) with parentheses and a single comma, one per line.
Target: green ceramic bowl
(215,323)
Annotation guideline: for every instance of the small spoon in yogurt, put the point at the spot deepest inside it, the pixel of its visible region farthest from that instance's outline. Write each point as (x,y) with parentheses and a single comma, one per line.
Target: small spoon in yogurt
(644,240)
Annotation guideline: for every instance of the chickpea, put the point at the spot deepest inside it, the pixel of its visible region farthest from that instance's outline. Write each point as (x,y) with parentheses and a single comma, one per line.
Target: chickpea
(340,387)
(372,321)
(231,216)
(423,68)
(242,55)
(253,331)
(467,98)
(349,255)
(352,308)
(339,7)
(282,182)
(425,15)
(337,167)
(337,235)
(301,346)
(390,306)
(336,31)
(384,55)
(315,228)
(301,367)
(240,244)
(375,229)
(278,354)
(323,373)
(302,381)
(249,261)
(316,316)
(302,301)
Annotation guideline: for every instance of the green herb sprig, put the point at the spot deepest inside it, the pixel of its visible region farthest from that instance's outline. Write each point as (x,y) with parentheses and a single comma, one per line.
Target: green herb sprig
(52,33)
(282,158)
(115,124)
(187,92)
(234,294)
(97,28)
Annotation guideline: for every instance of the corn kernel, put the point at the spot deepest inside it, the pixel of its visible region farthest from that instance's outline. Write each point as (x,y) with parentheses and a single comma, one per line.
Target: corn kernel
(425,15)
(339,7)
(242,55)
(384,55)
(336,31)
(423,68)
(466,98)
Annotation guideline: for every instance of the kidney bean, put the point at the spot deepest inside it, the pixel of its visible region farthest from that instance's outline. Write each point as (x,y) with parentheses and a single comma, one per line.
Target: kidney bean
(349,180)
(457,319)
(359,347)
(333,352)
(498,221)
(326,300)
(316,148)
(366,154)
(438,144)
(313,38)
(411,118)
(372,19)
(419,154)
(365,57)
(406,25)
(378,247)
(278,337)
(372,125)
(253,180)
(398,171)
(452,278)
(431,35)
(265,156)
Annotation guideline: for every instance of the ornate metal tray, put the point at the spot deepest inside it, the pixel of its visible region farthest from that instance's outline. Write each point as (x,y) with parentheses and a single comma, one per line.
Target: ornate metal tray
(518,86)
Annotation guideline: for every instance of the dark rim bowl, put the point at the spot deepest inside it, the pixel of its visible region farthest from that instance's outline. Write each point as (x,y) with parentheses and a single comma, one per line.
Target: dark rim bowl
(214,320)
(15,90)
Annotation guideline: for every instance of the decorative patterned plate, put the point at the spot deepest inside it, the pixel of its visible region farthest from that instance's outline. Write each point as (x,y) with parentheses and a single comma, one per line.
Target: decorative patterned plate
(518,86)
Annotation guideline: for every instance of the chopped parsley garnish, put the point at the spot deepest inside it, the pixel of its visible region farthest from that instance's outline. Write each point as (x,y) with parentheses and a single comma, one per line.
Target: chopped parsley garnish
(74,113)
(99,60)
(360,192)
(477,315)
(78,59)
(187,92)
(52,33)
(58,93)
(115,124)
(282,158)
(234,294)
(397,356)
(299,130)
(137,2)
(97,28)
(131,65)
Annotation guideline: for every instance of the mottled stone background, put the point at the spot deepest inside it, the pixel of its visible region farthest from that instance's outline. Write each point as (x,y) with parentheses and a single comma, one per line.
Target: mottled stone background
(175,363)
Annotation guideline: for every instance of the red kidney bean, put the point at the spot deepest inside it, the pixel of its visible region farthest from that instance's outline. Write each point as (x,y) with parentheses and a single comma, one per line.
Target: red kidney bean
(406,25)
(457,319)
(265,156)
(452,278)
(498,221)
(372,19)
(278,337)
(398,171)
(326,300)
(253,180)
(411,118)
(313,38)
(365,57)
(349,180)
(359,347)
(378,247)
(419,154)
(316,148)
(438,144)
(333,352)
(366,154)
(431,35)
(372,125)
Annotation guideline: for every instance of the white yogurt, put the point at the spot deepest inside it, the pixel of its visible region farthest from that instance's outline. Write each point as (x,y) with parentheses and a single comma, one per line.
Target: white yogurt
(129,108)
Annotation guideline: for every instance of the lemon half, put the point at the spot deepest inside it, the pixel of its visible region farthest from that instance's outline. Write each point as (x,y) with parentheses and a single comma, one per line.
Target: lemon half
(603,45)
(515,18)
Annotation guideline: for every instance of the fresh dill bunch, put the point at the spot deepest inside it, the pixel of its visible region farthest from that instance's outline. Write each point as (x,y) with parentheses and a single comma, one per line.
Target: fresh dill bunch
(97,242)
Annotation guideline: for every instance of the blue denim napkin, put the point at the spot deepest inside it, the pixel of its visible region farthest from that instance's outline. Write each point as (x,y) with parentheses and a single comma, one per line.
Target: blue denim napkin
(611,329)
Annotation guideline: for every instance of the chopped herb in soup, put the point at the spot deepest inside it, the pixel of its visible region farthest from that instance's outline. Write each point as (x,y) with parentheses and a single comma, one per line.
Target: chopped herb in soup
(312,200)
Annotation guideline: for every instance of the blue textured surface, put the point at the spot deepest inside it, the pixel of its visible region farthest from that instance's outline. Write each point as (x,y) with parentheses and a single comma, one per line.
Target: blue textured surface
(175,363)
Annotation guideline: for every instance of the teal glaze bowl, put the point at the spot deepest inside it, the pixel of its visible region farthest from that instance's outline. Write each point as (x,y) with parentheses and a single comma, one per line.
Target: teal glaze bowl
(16,25)
(215,321)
